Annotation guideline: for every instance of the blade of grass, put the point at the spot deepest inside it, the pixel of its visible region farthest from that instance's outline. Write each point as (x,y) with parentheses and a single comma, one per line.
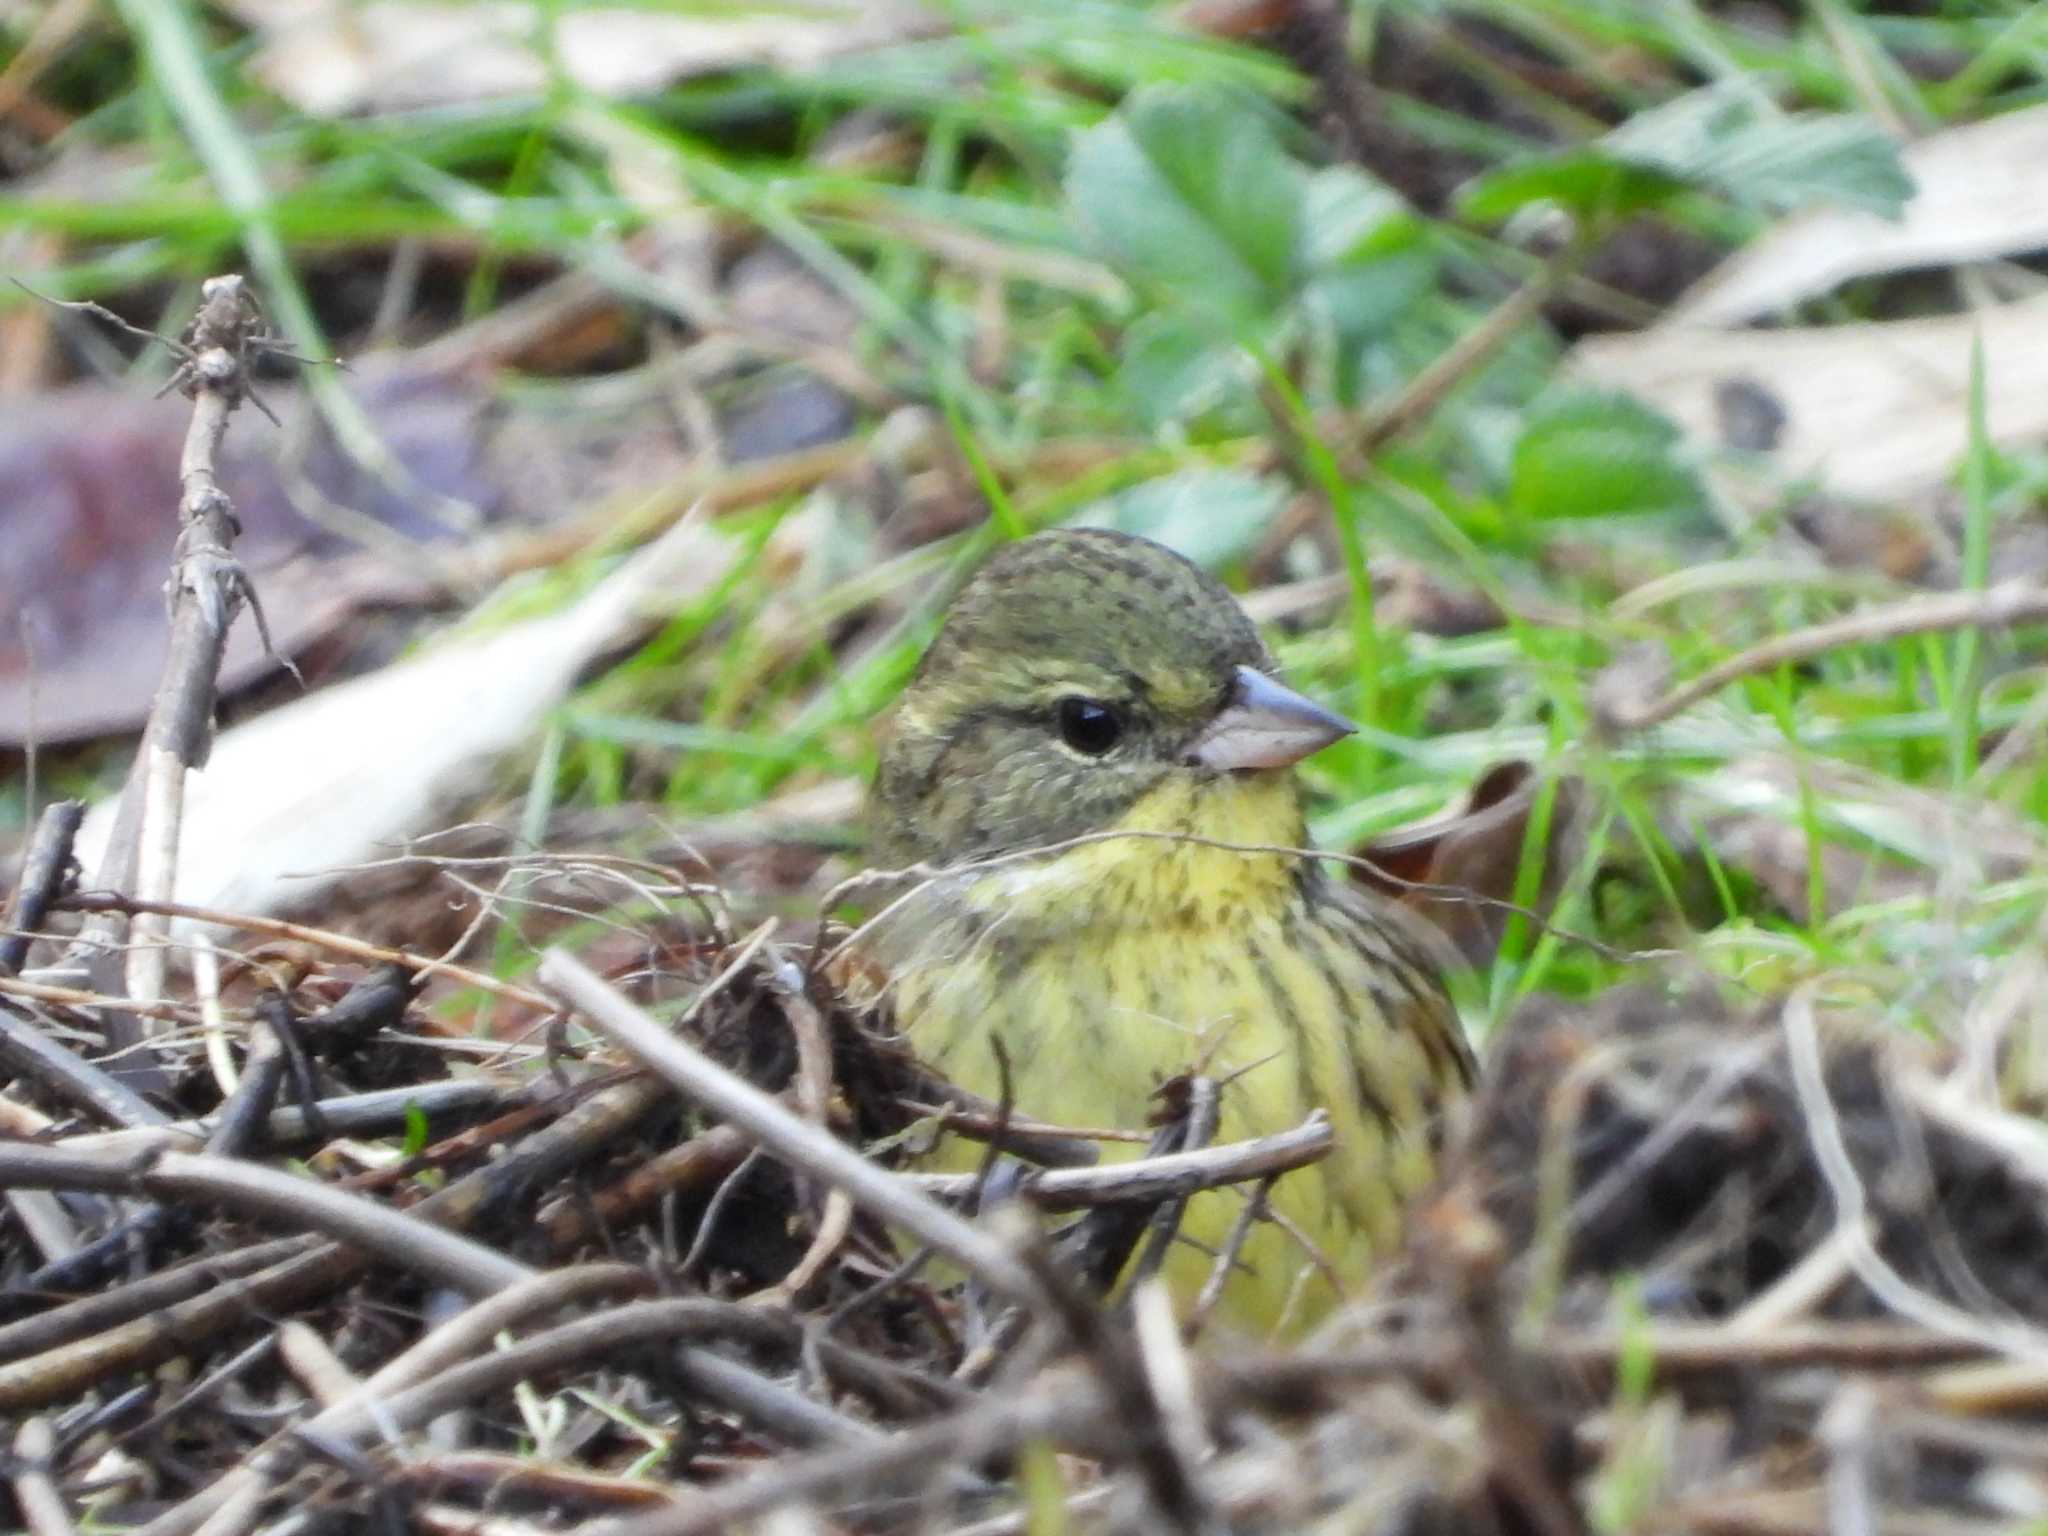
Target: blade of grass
(1300,425)
(167,33)
(1975,574)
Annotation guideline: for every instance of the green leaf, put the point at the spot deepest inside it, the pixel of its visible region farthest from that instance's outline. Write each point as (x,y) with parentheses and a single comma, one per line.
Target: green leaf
(1174,370)
(1352,218)
(415,1130)
(1591,185)
(1212,516)
(1594,455)
(1727,139)
(1723,139)
(1191,197)
(1371,259)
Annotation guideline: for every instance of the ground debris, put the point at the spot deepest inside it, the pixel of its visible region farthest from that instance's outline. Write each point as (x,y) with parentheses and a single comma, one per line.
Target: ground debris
(1642,1297)
(1642,1301)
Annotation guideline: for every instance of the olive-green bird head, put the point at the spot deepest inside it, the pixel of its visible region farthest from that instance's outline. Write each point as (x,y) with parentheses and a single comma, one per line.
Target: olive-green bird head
(1074,674)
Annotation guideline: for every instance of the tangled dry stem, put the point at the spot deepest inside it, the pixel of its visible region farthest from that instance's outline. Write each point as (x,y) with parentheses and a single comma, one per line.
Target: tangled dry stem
(1808,1221)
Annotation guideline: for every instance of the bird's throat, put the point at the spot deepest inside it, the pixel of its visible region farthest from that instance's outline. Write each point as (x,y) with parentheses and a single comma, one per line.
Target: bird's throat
(1195,851)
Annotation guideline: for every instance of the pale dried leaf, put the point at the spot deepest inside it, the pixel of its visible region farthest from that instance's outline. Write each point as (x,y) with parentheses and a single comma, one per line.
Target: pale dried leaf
(1981,195)
(1877,410)
(335,57)
(347,774)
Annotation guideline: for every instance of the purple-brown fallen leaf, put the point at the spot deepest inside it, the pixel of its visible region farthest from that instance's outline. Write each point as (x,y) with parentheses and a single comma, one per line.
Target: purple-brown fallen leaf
(88,513)
(1470,856)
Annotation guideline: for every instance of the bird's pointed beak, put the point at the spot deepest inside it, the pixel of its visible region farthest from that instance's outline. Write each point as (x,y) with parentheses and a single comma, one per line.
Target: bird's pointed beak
(1266,726)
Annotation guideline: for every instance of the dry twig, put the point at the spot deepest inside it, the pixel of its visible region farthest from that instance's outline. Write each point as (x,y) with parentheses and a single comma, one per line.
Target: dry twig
(44,870)
(776,1129)
(207,588)
(1999,607)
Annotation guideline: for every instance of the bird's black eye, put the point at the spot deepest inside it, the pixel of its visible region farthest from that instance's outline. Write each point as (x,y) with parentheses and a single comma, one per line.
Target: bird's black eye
(1089,726)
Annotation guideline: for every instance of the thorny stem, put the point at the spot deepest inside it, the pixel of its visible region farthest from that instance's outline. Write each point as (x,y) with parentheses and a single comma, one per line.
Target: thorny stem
(207,588)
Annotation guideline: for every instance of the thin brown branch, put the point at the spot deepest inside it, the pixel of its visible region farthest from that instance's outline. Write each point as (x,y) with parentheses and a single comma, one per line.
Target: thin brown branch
(814,1098)
(1458,362)
(1387,421)
(700,1163)
(323,1267)
(1823,1123)
(1110,1351)
(338,943)
(208,587)
(78,997)
(375,1113)
(1171,1176)
(31,1054)
(998,1424)
(461,1337)
(795,1140)
(175,1177)
(140,1298)
(573,1346)
(44,870)
(1999,607)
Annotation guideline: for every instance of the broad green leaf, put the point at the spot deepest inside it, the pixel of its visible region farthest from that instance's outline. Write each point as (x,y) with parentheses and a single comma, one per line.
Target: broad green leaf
(1370,259)
(1357,307)
(1189,194)
(1723,139)
(1727,139)
(1175,370)
(1595,455)
(1351,217)
(1592,185)
(1212,516)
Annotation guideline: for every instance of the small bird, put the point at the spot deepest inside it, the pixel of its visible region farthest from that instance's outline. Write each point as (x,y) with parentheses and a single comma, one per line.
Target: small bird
(1088,682)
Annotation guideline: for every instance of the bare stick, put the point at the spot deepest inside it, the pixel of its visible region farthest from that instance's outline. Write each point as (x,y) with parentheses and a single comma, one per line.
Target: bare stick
(314,1364)
(1384,421)
(207,588)
(31,1054)
(786,1412)
(321,1268)
(1198,1130)
(2009,603)
(138,1298)
(461,1337)
(374,1113)
(43,869)
(1422,394)
(1170,1176)
(1226,1257)
(79,997)
(276,927)
(386,1404)
(786,1135)
(1847,1432)
(814,1097)
(999,1422)
(178,1177)
(1112,1354)
(35,1488)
